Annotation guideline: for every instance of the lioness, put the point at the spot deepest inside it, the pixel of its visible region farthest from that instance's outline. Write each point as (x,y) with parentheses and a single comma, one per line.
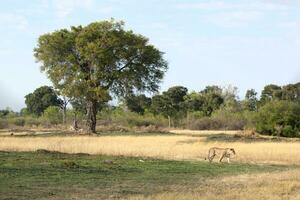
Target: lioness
(222,152)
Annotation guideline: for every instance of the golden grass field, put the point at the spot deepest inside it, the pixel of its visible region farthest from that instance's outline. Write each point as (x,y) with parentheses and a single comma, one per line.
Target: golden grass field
(184,146)
(188,145)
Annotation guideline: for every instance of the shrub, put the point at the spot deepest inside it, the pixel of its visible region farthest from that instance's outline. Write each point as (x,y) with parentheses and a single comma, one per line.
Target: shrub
(131,119)
(53,115)
(31,121)
(196,114)
(18,121)
(205,123)
(3,123)
(230,120)
(219,120)
(288,131)
(280,118)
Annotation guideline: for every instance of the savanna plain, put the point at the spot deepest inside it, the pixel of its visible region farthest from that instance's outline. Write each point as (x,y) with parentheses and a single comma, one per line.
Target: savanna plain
(52,165)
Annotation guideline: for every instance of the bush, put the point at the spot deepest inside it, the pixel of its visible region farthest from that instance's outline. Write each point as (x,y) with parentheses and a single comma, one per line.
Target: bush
(31,121)
(196,114)
(138,120)
(53,115)
(18,121)
(288,131)
(219,120)
(3,123)
(280,118)
(126,118)
(205,123)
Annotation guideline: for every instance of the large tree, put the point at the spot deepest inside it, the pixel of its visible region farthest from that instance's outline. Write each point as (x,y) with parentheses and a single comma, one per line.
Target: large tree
(41,99)
(99,60)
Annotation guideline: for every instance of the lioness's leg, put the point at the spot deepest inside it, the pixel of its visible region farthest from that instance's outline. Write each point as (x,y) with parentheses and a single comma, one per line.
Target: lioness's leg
(221,158)
(211,157)
(228,159)
(211,154)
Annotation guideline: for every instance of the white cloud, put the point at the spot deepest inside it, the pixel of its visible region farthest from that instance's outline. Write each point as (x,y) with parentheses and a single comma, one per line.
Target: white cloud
(289,24)
(286,2)
(66,7)
(242,13)
(106,9)
(234,19)
(241,5)
(206,5)
(14,21)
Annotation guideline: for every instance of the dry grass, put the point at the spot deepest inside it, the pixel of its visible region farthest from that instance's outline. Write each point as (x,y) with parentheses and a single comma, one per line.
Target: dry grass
(202,132)
(179,147)
(26,131)
(278,185)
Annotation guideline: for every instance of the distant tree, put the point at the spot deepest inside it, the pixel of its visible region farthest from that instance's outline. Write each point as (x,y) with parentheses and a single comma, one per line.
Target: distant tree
(231,101)
(24,112)
(176,95)
(291,92)
(41,99)
(250,102)
(170,103)
(194,101)
(271,92)
(213,99)
(137,103)
(97,61)
(4,113)
(212,89)
(63,105)
(161,105)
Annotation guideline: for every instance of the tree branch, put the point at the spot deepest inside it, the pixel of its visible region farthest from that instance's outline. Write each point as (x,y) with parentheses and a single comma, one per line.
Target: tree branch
(128,63)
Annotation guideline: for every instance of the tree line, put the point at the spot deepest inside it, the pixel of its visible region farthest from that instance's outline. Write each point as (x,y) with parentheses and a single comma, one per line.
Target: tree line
(275,112)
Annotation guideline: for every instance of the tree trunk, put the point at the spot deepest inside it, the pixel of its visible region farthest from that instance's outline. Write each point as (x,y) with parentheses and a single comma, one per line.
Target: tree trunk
(91,116)
(64,105)
(187,119)
(169,119)
(75,124)
(64,114)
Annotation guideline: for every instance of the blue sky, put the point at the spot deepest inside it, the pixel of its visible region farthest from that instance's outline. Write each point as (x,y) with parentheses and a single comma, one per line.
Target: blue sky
(244,43)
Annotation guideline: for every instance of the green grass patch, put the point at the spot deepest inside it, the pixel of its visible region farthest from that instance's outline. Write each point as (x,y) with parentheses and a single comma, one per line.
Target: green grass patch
(47,175)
